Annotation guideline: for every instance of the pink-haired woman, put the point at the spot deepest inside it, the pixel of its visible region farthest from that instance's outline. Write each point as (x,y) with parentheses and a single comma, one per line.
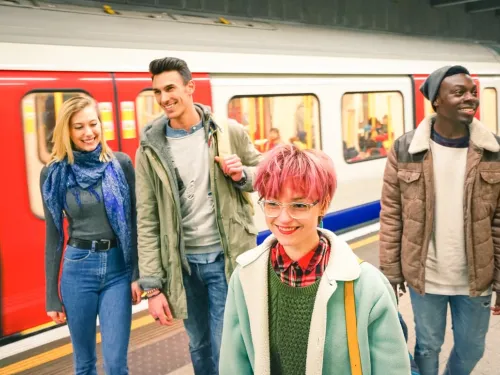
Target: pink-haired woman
(285,307)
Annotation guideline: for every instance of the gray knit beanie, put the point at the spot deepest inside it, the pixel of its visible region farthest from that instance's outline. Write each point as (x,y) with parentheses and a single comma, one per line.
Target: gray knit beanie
(430,88)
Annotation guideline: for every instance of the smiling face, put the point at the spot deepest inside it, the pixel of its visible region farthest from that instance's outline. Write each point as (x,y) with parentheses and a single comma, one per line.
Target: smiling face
(292,232)
(457,100)
(85,129)
(173,95)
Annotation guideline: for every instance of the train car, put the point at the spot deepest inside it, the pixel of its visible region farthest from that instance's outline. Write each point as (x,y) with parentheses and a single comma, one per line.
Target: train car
(349,93)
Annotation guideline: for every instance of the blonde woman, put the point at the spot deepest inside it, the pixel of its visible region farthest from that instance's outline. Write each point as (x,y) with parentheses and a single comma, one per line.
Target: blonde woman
(94,188)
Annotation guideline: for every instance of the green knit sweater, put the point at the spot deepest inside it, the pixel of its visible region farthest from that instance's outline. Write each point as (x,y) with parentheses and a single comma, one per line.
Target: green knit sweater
(290,311)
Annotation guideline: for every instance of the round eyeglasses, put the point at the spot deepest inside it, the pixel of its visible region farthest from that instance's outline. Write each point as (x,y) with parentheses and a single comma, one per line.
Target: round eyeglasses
(296,210)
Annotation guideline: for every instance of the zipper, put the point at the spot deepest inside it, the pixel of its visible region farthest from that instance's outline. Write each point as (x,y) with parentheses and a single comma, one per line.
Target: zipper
(468,214)
(218,216)
(428,237)
(175,193)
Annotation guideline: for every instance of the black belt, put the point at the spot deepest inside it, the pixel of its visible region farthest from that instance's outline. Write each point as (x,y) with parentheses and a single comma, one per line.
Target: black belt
(99,245)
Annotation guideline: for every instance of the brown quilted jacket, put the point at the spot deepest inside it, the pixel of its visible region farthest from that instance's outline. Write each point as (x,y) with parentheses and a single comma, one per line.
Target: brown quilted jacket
(407,215)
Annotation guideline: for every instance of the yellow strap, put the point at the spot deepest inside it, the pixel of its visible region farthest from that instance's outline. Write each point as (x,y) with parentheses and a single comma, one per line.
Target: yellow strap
(351,327)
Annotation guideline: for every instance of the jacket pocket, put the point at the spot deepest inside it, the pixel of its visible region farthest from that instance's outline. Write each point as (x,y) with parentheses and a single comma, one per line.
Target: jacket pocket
(490,185)
(410,183)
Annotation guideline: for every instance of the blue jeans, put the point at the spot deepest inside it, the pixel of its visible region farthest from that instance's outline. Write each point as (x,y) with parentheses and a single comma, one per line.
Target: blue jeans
(470,321)
(92,284)
(206,292)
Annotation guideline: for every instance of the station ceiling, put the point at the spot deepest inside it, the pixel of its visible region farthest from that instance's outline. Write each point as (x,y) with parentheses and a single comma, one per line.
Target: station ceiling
(476,20)
(471,6)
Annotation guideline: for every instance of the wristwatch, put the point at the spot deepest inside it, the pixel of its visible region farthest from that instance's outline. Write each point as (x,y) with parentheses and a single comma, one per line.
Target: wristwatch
(242,181)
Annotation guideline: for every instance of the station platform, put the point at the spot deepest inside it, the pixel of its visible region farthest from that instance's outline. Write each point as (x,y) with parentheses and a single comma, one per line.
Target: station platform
(157,350)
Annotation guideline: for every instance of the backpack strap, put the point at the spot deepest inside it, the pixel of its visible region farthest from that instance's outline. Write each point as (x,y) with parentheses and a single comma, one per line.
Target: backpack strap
(351,327)
(224,149)
(223,142)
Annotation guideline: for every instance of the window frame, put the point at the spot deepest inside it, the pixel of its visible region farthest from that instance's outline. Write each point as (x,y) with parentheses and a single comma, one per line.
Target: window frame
(25,145)
(497,130)
(320,146)
(342,122)
(136,112)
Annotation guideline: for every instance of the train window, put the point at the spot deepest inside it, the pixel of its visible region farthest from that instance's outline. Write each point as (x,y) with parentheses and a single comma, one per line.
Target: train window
(370,123)
(147,108)
(39,112)
(271,120)
(489,115)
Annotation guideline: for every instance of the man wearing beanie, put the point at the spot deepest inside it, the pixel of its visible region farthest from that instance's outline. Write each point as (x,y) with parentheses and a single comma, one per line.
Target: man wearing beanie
(440,222)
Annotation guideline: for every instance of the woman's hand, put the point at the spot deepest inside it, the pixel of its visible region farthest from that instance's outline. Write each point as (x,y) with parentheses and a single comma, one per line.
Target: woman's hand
(57,317)
(136,293)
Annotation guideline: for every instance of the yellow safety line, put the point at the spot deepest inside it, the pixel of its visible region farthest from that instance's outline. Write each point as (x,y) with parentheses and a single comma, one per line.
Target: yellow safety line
(60,352)
(364,242)
(37,328)
(67,349)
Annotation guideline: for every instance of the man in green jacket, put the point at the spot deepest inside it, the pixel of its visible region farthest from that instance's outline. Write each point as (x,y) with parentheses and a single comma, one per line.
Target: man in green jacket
(193,219)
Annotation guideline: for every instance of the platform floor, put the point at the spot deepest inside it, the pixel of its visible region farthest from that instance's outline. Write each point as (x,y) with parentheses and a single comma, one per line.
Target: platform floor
(156,350)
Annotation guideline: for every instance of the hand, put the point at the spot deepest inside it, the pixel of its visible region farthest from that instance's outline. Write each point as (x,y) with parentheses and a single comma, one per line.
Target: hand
(136,293)
(496,308)
(402,289)
(160,310)
(57,317)
(231,166)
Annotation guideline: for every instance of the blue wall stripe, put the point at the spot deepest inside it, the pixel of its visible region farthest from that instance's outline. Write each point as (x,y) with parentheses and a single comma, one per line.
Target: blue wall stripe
(343,219)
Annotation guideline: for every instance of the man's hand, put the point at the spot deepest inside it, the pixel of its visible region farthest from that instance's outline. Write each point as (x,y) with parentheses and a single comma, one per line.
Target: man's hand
(160,310)
(231,166)
(402,289)
(496,308)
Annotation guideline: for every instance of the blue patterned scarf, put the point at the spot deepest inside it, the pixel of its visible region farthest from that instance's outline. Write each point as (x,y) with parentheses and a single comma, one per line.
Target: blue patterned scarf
(85,173)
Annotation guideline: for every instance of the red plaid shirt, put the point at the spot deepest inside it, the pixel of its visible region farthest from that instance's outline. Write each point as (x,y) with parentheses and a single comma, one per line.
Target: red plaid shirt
(305,271)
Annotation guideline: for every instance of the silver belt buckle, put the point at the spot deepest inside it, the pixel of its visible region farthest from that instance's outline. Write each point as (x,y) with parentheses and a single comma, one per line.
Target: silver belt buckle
(109,244)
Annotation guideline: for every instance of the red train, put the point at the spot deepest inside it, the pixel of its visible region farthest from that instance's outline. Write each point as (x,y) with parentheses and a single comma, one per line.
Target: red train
(349,93)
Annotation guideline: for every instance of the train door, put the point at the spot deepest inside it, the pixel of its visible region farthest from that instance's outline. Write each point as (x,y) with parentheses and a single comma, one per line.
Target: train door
(489,107)
(273,110)
(137,105)
(30,103)
(369,114)
(326,113)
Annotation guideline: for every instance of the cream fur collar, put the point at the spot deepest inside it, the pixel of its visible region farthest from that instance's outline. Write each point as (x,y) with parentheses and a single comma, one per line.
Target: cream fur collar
(480,135)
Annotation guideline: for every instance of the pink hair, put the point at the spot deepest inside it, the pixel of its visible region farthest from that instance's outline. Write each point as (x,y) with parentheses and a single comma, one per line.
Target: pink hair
(310,172)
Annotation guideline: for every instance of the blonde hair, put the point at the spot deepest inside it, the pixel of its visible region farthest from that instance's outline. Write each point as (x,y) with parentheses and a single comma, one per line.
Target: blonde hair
(61,137)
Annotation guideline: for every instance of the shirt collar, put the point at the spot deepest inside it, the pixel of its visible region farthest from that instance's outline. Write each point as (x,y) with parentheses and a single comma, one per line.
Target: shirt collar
(308,262)
(179,133)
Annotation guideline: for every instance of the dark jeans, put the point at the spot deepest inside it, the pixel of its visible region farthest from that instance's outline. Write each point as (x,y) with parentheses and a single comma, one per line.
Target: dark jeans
(206,291)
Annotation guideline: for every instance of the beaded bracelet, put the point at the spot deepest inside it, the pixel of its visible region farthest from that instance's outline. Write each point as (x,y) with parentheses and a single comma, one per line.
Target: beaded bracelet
(154,295)
(151,293)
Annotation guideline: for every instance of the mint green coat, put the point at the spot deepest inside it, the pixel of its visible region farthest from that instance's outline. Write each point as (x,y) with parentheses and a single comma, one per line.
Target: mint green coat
(245,338)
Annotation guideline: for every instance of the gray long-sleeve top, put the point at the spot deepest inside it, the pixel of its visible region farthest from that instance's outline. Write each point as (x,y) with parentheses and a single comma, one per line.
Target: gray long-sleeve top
(89,222)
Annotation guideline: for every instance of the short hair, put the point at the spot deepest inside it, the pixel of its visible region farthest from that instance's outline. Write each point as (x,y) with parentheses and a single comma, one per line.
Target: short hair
(169,64)
(311,172)
(62,140)
(276,130)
